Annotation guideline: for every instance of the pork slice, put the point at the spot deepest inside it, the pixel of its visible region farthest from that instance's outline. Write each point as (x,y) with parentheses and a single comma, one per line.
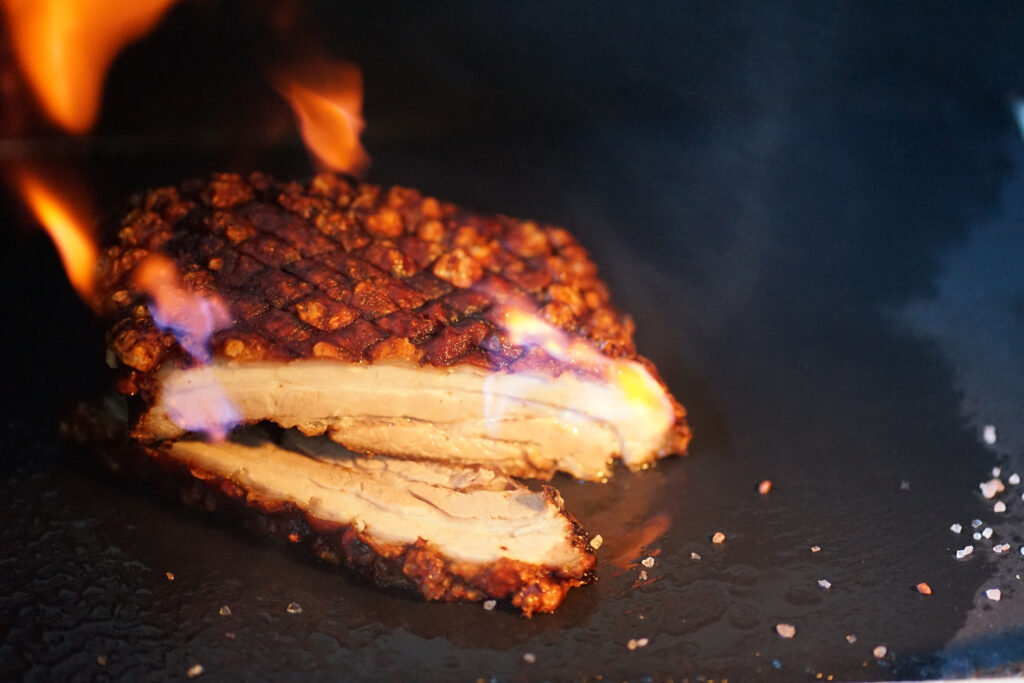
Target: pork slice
(524,424)
(446,533)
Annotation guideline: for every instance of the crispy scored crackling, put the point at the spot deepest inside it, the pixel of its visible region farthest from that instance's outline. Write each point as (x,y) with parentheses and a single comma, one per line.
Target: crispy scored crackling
(397,301)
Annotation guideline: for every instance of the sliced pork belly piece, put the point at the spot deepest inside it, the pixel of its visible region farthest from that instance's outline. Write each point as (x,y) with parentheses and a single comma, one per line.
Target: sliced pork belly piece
(446,533)
(396,323)
(525,424)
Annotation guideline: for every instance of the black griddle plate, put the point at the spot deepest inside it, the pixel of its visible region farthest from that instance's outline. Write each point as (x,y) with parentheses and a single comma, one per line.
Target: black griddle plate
(769,192)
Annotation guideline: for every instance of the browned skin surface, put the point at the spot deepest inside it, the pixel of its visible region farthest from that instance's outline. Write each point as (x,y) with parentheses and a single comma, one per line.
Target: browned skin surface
(336,269)
(414,567)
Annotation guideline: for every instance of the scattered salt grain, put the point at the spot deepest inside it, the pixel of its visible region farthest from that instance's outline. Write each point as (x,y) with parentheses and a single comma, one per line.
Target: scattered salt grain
(634,643)
(764,487)
(694,556)
(987,533)
(1000,549)
(1014,479)
(851,638)
(294,608)
(924,589)
(787,631)
(976,535)
(1022,550)
(224,611)
(194,670)
(975,523)
(991,488)
(825,583)
(994,594)
(879,651)
(815,548)
(529,657)
(169,575)
(643,575)
(988,434)
(956,528)
(718,538)
(904,485)
(648,562)
(997,471)
(489,605)
(1000,506)
(596,542)
(964,552)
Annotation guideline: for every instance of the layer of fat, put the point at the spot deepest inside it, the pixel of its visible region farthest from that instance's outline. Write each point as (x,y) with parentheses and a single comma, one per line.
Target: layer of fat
(524,423)
(473,515)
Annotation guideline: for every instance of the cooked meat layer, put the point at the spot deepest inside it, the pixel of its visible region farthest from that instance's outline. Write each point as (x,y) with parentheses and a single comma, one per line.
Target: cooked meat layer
(359,276)
(448,533)
(525,424)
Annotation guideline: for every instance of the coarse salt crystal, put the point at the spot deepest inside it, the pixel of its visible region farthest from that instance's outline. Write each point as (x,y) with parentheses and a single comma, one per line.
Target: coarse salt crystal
(224,611)
(718,538)
(976,535)
(991,488)
(987,533)
(964,552)
(1000,549)
(529,657)
(194,670)
(815,548)
(694,556)
(988,434)
(997,471)
(879,651)
(764,487)
(994,594)
(924,589)
(634,643)
(1000,506)
(1014,479)
(825,583)
(294,608)
(489,605)
(648,562)
(169,575)
(956,528)
(851,638)
(643,575)
(785,630)
(904,485)
(975,523)
(596,542)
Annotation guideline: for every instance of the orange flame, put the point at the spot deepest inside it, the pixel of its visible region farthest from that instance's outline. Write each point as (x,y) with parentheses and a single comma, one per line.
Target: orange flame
(640,389)
(630,395)
(327,99)
(68,229)
(64,48)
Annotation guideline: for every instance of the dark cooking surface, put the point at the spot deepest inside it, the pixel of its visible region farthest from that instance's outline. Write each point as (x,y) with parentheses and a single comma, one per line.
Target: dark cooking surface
(808,211)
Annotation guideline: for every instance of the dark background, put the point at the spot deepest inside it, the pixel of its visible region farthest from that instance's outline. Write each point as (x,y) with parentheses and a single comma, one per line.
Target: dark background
(768,188)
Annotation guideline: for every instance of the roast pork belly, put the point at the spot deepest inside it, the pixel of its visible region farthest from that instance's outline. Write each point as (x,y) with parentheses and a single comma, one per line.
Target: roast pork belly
(388,320)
